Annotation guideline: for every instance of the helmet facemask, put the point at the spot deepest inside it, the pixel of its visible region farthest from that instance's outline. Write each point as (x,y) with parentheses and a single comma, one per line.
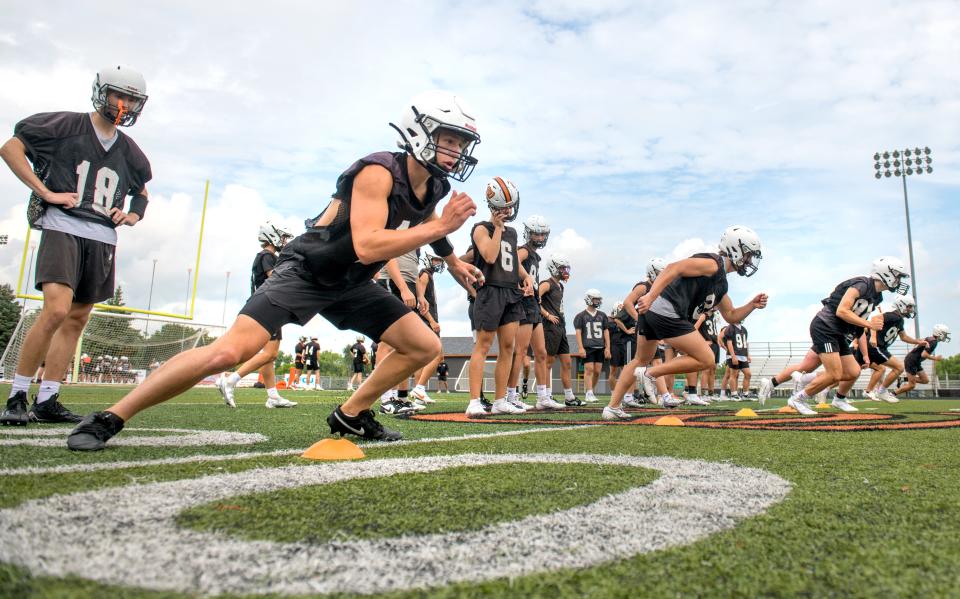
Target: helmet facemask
(535,238)
(430,129)
(747,264)
(130,88)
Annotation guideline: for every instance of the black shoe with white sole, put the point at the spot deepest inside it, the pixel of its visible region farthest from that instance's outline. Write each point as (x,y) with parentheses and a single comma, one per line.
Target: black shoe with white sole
(52,411)
(94,431)
(16,413)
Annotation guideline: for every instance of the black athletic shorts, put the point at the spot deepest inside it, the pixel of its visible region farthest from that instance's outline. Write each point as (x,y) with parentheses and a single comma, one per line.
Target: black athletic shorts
(912,365)
(313,365)
(654,326)
(877,355)
(555,338)
(277,336)
(531,312)
(358,366)
(740,365)
(85,265)
(298,365)
(827,339)
(496,306)
(470,304)
(290,295)
(618,354)
(715,347)
(441,377)
(594,354)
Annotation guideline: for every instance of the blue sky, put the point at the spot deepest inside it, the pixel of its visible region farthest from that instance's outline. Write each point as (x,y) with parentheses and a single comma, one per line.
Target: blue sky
(637,129)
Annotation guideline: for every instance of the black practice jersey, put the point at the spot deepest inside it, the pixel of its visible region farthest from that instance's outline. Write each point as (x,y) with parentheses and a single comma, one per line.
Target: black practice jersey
(862,307)
(262,264)
(327,251)
(532,266)
(298,350)
(737,335)
(442,369)
(591,327)
(430,293)
(358,351)
(690,296)
(552,300)
(892,327)
(311,352)
(505,270)
(68,157)
(708,329)
(917,352)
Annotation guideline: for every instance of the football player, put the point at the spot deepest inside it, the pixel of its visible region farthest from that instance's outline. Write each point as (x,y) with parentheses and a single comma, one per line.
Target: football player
(593,341)
(272,239)
(878,350)
(359,353)
(497,309)
(707,325)
(619,395)
(554,324)
(80,168)
(619,338)
(738,348)
(913,363)
(298,364)
(384,206)
(536,232)
(680,294)
(426,291)
(844,314)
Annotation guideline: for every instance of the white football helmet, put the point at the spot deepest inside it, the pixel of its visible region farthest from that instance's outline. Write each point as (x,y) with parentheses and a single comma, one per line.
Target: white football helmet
(427,261)
(123,80)
(559,267)
(905,306)
(742,246)
(536,225)
(428,113)
(654,267)
(274,235)
(502,194)
(593,298)
(941,332)
(892,272)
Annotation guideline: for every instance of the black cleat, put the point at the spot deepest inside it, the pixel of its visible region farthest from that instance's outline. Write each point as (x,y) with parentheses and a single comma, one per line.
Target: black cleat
(52,411)
(16,413)
(487,406)
(93,432)
(523,391)
(395,407)
(363,425)
(574,403)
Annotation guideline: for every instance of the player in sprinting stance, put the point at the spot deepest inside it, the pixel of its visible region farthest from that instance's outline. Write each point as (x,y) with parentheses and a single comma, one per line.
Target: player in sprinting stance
(680,294)
(878,348)
(844,315)
(384,206)
(272,239)
(80,169)
(593,341)
(913,363)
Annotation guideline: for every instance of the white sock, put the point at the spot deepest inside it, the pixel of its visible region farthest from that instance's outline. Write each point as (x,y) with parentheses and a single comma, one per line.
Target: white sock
(511,392)
(723,393)
(627,397)
(880,389)
(568,393)
(47,390)
(20,383)
(666,397)
(272,393)
(802,395)
(420,389)
(233,379)
(542,390)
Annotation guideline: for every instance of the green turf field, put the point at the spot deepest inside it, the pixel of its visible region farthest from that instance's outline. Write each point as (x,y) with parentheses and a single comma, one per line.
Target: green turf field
(564,506)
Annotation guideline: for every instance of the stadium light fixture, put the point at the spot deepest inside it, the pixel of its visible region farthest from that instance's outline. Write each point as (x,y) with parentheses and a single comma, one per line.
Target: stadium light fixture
(909,161)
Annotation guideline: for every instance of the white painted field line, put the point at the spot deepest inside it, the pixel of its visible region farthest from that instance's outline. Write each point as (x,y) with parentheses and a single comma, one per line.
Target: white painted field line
(256,454)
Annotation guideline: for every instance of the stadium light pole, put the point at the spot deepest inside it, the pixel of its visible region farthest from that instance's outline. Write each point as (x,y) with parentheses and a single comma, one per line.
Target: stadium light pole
(223,316)
(905,162)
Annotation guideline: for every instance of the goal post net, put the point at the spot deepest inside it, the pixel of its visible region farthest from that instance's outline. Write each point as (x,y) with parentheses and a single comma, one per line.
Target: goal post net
(117,348)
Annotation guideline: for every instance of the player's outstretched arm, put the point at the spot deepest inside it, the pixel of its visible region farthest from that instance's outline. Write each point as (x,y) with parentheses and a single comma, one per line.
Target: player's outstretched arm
(731,314)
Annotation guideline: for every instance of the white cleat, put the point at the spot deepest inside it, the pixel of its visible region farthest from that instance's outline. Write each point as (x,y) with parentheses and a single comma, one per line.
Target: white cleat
(649,385)
(590,398)
(611,413)
(874,395)
(548,403)
(502,406)
(516,402)
(841,404)
(801,406)
(630,402)
(889,397)
(695,400)
(766,390)
(417,405)
(669,401)
(796,376)
(475,409)
(226,391)
(422,396)
(279,402)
